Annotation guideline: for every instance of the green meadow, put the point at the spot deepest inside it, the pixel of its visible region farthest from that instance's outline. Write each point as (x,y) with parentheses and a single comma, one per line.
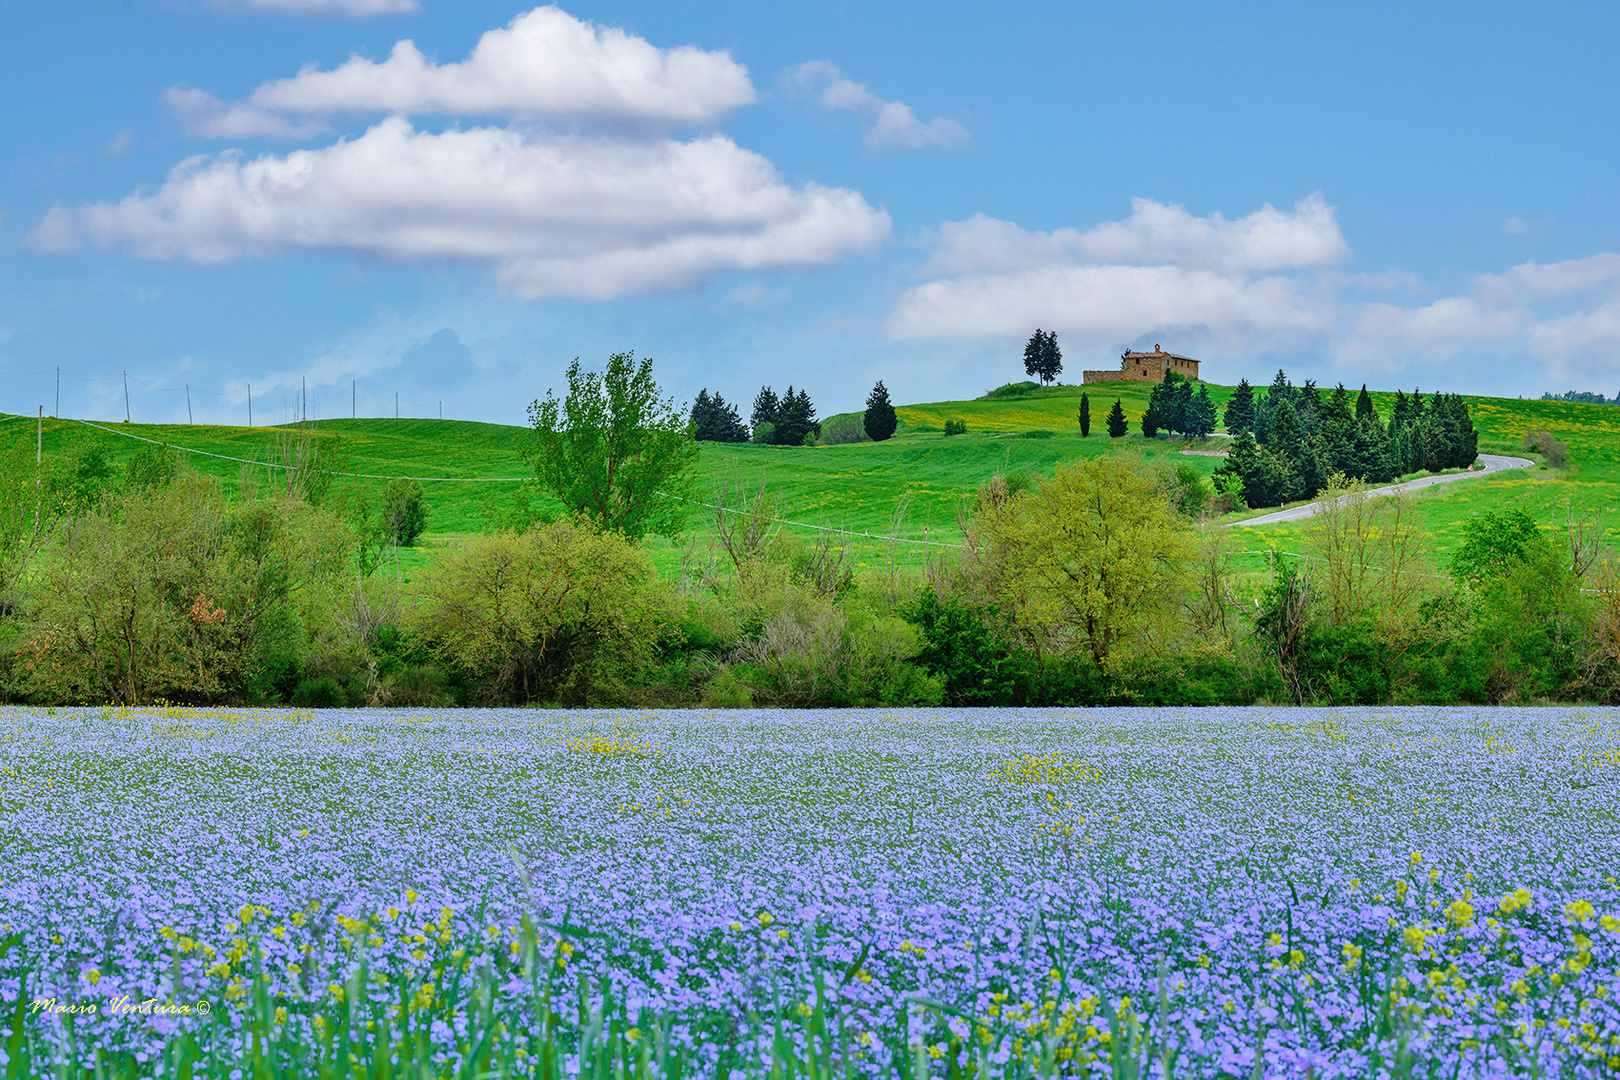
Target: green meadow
(911,488)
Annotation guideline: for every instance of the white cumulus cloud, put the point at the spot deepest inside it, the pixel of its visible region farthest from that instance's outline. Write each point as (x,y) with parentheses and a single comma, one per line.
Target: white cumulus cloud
(1161,270)
(554,214)
(544,64)
(892,124)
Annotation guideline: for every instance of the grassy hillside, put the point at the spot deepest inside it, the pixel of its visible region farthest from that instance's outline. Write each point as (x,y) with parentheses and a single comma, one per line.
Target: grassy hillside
(858,487)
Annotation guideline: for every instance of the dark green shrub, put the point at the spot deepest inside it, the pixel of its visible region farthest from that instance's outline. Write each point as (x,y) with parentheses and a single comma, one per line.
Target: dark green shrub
(322,693)
(978,668)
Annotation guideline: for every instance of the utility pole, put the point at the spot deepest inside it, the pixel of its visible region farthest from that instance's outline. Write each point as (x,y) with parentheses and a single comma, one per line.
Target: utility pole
(303,408)
(58,411)
(396,404)
(39,440)
(250,404)
(441,410)
(126,397)
(354,399)
(189,420)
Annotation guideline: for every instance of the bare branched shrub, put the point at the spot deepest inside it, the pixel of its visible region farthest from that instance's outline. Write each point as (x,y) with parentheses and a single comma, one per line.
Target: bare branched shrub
(1213,603)
(1369,547)
(744,518)
(1585,536)
(1555,453)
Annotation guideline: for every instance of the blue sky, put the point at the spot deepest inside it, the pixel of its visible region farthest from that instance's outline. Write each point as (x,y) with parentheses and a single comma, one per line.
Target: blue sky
(452,201)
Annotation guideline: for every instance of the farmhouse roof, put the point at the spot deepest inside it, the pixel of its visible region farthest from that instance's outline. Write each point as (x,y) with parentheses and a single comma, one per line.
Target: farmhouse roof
(1156,352)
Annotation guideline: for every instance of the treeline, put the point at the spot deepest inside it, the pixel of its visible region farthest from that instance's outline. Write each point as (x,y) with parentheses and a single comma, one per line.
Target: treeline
(1095,584)
(1092,585)
(788,420)
(1288,441)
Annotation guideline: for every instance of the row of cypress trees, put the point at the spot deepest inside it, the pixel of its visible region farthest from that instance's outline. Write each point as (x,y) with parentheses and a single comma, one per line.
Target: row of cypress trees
(1287,439)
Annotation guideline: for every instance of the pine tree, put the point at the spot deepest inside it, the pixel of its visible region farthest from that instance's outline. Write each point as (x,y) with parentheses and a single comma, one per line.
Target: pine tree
(1287,435)
(1240,410)
(1117,424)
(1153,417)
(728,426)
(1179,404)
(767,406)
(1265,406)
(1364,405)
(701,410)
(1085,414)
(716,420)
(795,419)
(1201,416)
(880,421)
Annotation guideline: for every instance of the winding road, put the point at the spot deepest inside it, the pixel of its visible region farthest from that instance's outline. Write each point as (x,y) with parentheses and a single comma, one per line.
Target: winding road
(1491,462)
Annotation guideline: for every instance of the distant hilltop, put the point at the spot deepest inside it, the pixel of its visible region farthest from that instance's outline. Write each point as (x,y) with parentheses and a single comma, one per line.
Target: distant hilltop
(1145,367)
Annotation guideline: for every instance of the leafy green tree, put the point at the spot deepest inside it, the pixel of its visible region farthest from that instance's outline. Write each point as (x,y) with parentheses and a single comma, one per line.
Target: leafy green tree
(567,612)
(614,450)
(880,420)
(151,466)
(404,512)
(1042,357)
(1240,410)
(1085,415)
(978,667)
(1493,541)
(1093,560)
(1116,422)
(168,592)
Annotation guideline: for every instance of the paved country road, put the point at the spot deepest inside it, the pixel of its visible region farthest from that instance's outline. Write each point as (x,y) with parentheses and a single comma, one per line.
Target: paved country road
(1491,462)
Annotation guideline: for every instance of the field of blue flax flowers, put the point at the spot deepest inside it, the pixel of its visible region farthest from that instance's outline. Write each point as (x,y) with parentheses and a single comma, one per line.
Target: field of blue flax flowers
(608,895)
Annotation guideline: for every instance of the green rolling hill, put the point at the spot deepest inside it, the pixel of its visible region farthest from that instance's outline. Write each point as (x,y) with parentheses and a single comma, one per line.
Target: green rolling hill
(858,487)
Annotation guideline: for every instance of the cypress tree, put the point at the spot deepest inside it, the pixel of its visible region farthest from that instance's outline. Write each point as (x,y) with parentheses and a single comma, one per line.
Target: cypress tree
(1085,414)
(1117,424)
(880,421)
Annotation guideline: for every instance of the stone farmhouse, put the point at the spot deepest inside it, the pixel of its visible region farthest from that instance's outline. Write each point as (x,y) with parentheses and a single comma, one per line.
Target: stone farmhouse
(1146,367)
